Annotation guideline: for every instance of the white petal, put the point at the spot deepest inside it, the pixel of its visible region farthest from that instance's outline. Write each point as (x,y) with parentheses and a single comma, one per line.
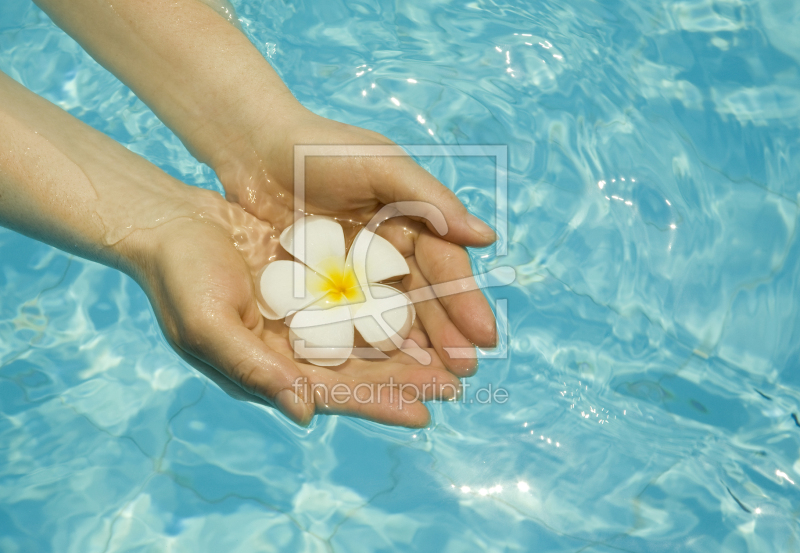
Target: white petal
(322,336)
(377,256)
(267,312)
(316,241)
(277,293)
(385,318)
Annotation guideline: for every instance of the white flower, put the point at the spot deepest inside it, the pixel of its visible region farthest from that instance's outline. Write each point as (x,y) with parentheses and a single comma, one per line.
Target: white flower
(334,295)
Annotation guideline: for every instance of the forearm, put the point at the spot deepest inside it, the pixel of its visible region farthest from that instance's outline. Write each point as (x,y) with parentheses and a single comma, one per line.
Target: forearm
(71,186)
(197,72)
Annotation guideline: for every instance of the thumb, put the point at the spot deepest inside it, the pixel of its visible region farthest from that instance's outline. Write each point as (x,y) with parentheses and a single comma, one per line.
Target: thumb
(238,353)
(404,181)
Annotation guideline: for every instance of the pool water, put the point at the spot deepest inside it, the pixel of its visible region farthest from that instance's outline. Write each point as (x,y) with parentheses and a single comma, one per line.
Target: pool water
(653,356)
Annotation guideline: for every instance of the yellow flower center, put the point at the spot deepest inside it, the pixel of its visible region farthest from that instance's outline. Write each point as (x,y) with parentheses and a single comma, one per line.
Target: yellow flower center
(340,285)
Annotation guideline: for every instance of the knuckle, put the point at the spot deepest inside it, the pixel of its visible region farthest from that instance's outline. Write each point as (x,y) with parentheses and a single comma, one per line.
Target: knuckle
(442,264)
(245,373)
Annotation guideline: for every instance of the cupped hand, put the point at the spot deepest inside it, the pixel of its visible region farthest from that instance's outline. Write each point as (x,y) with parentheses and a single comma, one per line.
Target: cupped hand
(198,273)
(259,176)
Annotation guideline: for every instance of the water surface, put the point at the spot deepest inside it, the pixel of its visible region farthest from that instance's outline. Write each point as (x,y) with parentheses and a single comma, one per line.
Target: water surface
(653,363)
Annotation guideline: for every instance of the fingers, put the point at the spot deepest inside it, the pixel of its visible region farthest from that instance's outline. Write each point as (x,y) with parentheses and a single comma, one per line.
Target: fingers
(388,393)
(384,403)
(442,332)
(403,180)
(442,262)
(419,336)
(227,344)
(402,232)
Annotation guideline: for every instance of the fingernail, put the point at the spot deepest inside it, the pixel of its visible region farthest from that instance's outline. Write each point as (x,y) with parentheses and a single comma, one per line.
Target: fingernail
(293,407)
(480,227)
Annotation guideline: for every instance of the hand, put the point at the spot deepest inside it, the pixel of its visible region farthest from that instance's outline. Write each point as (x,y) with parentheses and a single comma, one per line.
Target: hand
(260,176)
(198,272)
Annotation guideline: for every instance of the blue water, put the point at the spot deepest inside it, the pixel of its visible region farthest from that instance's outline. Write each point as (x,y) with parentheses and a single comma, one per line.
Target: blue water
(653,363)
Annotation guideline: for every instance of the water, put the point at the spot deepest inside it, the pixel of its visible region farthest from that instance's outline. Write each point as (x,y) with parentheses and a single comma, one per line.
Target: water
(653,369)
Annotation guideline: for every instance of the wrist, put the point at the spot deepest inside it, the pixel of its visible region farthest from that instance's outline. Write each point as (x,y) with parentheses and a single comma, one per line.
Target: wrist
(251,133)
(261,150)
(137,239)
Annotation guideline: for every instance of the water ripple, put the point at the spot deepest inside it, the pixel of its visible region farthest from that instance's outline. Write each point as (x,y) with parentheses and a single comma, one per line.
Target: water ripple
(653,374)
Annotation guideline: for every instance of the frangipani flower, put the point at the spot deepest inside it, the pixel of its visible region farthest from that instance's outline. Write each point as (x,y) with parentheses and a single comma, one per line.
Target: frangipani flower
(336,295)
